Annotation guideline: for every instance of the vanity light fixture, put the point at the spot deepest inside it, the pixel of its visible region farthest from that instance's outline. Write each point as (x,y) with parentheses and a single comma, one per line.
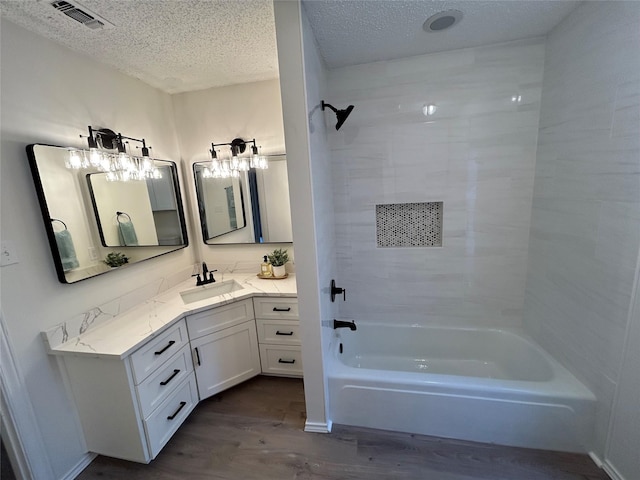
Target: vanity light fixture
(118,167)
(236,163)
(341,115)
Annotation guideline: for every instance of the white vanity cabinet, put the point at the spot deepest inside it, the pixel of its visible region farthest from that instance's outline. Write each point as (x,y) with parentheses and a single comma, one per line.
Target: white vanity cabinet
(224,346)
(277,322)
(129,408)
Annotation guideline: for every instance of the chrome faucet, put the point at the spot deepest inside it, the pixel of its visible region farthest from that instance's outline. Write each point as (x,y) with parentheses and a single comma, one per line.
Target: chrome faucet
(344,324)
(205,280)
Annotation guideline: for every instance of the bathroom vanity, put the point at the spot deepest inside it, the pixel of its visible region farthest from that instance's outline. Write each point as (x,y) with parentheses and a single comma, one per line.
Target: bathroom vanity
(136,377)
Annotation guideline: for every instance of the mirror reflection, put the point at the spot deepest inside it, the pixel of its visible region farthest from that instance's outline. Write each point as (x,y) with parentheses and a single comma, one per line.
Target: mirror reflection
(224,200)
(137,213)
(251,208)
(79,244)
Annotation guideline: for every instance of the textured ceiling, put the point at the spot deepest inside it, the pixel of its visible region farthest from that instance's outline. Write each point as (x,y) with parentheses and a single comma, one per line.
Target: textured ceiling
(350,32)
(185,45)
(174,45)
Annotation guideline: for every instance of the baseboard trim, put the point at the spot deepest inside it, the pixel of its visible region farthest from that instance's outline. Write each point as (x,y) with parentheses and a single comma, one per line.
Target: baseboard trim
(606,466)
(317,427)
(611,471)
(596,459)
(77,469)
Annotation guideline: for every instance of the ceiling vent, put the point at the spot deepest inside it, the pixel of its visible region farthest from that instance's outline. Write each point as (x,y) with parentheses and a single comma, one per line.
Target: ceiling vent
(90,20)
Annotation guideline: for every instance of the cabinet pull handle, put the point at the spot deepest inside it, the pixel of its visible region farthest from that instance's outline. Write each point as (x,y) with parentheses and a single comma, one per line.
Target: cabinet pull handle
(175,372)
(286,361)
(197,356)
(165,348)
(278,332)
(171,417)
(276,309)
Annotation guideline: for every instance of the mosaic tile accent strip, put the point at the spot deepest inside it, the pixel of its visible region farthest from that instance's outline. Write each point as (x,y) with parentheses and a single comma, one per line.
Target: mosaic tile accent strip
(409,224)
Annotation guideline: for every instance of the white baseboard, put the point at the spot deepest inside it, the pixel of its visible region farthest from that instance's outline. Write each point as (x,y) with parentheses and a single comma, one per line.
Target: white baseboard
(611,471)
(596,459)
(318,427)
(606,466)
(80,466)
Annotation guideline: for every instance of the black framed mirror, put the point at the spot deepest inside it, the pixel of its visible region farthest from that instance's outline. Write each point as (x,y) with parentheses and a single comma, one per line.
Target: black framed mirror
(251,208)
(76,233)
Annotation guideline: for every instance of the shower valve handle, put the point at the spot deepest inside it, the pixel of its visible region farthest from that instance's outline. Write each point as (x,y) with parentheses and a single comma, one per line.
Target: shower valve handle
(337,291)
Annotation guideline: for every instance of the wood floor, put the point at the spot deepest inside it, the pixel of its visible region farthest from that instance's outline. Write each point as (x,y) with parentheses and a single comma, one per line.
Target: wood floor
(254,431)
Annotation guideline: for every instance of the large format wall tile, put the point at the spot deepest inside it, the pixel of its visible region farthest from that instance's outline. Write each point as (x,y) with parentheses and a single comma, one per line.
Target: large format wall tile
(585,227)
(476,154)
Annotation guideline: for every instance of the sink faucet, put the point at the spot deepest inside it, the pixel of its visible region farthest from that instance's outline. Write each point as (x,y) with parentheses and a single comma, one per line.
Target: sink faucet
(344,324)
(205,280)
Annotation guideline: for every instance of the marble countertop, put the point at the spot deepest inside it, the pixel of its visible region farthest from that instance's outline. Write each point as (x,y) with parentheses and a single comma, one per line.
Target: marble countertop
(124,333)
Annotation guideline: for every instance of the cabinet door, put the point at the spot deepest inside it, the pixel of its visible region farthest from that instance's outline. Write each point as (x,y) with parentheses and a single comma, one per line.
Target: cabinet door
(226,358)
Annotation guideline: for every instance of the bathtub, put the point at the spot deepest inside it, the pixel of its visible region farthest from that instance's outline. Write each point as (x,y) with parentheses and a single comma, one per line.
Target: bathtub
(485,385)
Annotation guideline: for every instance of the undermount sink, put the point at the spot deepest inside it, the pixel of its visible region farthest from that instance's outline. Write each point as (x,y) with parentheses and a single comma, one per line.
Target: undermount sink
(209,291)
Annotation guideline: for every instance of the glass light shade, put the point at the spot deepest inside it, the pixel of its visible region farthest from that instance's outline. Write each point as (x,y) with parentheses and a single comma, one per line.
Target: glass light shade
(95,158)
(124,161)
(75,160)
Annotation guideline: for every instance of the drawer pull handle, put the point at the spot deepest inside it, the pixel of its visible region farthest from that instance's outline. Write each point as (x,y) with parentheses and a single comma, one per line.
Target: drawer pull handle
(288,334)
(276,309)
(286,361)
(165,348)
(198,356)
(175,372)
(171,417)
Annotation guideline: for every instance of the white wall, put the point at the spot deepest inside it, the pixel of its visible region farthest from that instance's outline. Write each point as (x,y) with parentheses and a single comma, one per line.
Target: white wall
(623,446)
(302,83)
(585,227)
(218,115)
(477,154)
(49,95)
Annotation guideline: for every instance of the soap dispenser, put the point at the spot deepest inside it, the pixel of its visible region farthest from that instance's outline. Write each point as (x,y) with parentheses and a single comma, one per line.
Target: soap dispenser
(265,268)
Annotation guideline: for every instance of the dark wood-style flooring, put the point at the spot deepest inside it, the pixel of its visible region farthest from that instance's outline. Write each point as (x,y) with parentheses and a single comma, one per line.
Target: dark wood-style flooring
(254,431)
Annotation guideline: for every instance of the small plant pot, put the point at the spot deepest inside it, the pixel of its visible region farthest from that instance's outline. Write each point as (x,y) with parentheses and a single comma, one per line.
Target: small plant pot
(279,271)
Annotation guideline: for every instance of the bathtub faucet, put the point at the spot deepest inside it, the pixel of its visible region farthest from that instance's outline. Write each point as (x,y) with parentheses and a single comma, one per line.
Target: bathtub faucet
(344,324)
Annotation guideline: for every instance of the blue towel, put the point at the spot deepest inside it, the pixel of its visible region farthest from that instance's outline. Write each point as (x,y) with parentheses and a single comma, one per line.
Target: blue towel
(127,234)
(67,250)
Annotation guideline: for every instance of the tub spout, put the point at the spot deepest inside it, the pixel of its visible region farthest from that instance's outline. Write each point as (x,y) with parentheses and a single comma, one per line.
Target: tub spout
(344,324)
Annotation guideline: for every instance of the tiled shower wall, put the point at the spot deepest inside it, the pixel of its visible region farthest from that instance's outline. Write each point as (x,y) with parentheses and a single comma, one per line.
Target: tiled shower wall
(585,228)
(476,154)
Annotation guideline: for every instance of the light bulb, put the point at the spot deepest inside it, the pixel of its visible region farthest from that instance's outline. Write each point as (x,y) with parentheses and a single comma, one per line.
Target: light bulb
(95,158)
(74,160)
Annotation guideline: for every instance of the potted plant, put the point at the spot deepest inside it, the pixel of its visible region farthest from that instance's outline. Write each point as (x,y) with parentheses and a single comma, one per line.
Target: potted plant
(116,259)
(278,258)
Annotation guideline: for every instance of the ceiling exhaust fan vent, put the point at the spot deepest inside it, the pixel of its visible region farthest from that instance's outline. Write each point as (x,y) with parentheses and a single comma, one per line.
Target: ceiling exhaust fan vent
(92,21)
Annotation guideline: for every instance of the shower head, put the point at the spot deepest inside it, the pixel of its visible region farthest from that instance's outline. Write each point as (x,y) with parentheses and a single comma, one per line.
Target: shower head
(341,115)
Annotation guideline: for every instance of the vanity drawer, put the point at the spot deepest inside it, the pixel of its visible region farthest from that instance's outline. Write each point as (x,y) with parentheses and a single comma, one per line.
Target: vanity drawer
(162,382)
(281,360)
(219,318)
(157,351)
(276,307)
(282,332)
(166,419)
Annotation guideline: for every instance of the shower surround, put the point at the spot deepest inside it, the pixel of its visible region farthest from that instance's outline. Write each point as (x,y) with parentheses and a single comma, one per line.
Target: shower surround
(476,154)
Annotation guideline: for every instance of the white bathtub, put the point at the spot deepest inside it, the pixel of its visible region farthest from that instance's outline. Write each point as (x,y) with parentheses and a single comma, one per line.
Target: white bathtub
(484,385)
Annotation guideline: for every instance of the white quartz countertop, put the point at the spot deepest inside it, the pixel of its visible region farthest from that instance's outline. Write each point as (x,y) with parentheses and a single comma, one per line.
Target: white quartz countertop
(124,333)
